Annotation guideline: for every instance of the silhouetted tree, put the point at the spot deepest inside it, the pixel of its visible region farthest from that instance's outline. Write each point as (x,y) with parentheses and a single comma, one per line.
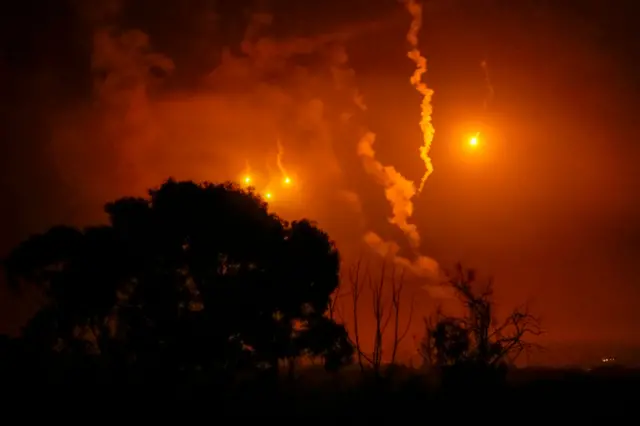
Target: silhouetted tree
(476,339)
(385,290)
(197,276)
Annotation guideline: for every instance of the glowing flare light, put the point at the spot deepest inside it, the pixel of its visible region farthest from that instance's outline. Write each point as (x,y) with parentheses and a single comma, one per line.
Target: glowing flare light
(474,141)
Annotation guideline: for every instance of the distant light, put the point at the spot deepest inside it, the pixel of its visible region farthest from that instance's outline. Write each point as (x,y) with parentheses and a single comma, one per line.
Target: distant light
(268,195)
(473,141)
(247,179)
(287,180)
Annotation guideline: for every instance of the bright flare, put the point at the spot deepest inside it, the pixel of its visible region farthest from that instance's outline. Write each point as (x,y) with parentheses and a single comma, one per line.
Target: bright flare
(247,179)
(268,195)
(474,140)
(287,181)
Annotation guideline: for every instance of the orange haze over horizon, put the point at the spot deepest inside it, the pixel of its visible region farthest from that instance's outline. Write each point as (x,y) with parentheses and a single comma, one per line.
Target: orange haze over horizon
(545,199)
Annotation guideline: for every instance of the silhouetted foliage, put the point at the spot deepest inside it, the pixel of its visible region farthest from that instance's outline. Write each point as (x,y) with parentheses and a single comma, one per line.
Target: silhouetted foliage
(199,280)
(476,343)
(194,277)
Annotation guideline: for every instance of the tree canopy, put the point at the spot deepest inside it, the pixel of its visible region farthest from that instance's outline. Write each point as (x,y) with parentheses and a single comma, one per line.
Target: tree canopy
(193,276)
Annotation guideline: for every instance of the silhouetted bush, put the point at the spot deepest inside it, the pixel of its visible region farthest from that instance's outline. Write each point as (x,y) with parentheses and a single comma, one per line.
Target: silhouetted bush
(473,350)
(198,280)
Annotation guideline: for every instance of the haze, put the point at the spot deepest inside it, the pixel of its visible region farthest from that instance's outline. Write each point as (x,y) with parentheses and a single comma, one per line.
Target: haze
(107,98)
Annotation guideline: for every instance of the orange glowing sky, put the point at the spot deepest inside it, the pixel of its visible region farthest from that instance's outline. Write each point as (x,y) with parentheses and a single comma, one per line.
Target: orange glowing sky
(545,200)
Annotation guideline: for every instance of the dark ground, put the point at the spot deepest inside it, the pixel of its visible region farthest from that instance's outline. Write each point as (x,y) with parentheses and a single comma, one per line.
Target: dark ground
(529,395)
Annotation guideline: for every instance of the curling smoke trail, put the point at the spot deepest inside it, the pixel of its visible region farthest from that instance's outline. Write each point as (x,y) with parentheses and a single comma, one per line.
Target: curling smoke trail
(415,9)
(397,189)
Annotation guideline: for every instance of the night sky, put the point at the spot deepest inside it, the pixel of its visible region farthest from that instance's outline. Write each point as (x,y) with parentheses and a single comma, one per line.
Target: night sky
(101,99)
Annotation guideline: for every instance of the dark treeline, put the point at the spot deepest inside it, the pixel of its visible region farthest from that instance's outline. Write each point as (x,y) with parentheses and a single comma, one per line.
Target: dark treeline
(197,290)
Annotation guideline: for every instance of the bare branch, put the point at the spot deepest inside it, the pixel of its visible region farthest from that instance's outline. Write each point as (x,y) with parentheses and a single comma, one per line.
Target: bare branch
(487,342)
(354,275)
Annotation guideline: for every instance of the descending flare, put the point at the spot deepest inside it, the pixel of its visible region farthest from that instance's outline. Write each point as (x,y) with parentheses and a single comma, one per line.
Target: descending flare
(286,179)
(247,179)
(415,9)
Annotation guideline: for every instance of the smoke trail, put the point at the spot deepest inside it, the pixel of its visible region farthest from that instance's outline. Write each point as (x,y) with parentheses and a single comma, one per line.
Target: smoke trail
(415,9)
(397,189)
(490,92)
(284,173)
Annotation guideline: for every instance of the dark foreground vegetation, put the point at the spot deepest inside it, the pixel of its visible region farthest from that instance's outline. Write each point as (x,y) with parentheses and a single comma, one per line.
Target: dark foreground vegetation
(524,395)
(199,297)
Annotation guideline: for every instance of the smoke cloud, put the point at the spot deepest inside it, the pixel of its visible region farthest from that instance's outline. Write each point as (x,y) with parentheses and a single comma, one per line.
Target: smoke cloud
(421,266)
(138,128)
(398,190)
(149,118)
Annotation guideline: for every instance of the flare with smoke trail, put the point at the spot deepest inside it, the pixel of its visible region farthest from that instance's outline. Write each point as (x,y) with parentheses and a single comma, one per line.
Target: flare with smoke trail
(415,9)
(486,102)
(286,179)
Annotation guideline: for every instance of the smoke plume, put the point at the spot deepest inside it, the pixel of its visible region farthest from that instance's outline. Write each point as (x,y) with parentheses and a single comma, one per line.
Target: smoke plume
(415,9)
(143,125)
(281,168)
(398,190)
